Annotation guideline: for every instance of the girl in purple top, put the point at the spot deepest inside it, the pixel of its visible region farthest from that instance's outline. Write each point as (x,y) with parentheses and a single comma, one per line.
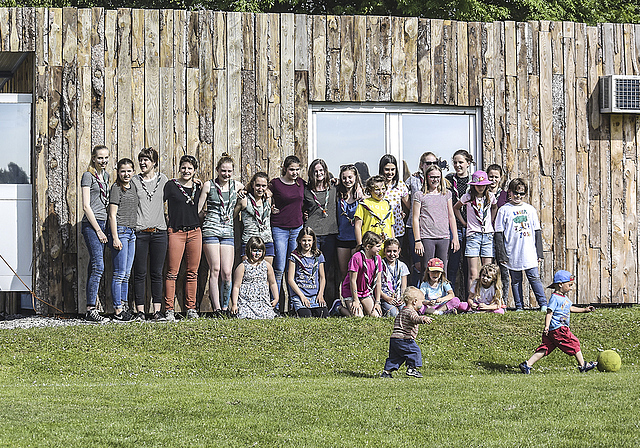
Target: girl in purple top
(286,213)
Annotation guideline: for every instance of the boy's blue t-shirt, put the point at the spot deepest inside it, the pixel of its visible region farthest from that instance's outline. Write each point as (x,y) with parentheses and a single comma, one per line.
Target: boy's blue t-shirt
(435,292)
(561,307)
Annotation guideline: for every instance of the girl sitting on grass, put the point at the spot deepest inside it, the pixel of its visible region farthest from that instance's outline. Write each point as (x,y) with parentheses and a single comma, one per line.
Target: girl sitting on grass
(306,276)
(252,281)
(485,293)
(394,278)
(438,293)
(362,287)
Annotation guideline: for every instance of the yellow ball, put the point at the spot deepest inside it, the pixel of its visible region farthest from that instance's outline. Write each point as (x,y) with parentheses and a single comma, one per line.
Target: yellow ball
(609,361)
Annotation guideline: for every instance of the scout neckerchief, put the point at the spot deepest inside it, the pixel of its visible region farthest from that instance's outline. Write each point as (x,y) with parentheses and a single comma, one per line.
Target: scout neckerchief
(395,278)
(480,209)
(381,221)
(370,283)
(190,198)
(343,211)
(225,212)
(103,188)
(146,190)
(311,274)
(326,201)
(260,219)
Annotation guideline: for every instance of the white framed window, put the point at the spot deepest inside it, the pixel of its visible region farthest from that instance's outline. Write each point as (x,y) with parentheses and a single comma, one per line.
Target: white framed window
(345,133)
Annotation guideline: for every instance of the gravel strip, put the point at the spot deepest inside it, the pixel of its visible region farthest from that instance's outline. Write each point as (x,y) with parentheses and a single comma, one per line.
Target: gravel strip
(19,321)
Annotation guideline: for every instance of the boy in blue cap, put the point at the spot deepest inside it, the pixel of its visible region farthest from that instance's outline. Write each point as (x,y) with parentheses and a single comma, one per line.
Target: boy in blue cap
(556,332)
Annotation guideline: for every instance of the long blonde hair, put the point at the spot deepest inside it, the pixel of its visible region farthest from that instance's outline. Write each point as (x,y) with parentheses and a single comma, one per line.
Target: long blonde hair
(444,183)
(493,271)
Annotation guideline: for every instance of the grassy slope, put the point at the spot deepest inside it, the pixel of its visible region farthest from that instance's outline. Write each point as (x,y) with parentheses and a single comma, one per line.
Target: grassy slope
(314,383)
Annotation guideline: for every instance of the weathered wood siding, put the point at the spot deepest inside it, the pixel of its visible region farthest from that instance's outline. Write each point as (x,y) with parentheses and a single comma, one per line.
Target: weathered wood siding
(203,82)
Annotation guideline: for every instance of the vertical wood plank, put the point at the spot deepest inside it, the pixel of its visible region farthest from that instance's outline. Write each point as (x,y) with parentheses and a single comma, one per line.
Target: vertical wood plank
(249,44)
(41,39)
(287,84)
(124,81)
(69,151)
(462,64)
(97,77)
(219,90)
(301,42)
(219,37)
(570,144)
(384,68)
(510,124)
(582,186)
(274,135)
(450,41)
(500,88)
(207,108)
(262,151)
(488,121)
(301,115)
(318,72)
(152,77)
(333,58)
(55,36)
(360,58)
(618,277)
(438,58)
(347,63)
(29,30)
(546,103)
(424,61)
(111,86)
(179,138)
(534,139)
(166,38)
(192,104)
(475,63)
(234,82)
(41,184)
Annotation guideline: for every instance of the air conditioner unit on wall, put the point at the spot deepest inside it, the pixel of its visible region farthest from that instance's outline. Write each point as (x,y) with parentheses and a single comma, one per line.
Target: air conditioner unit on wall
(620,94)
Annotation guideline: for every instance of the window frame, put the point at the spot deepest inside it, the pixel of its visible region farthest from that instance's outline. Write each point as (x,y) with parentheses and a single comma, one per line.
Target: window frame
(393,123)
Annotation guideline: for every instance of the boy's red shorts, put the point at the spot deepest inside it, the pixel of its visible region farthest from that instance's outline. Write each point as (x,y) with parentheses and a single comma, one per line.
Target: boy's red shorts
(561,338)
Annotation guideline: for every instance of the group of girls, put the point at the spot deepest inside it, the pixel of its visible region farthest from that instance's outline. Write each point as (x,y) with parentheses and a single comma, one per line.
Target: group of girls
(289,225)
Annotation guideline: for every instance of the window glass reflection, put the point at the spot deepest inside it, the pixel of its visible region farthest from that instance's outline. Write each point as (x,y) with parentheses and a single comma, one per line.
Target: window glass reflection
(442,134)
(15,145)
(344,138)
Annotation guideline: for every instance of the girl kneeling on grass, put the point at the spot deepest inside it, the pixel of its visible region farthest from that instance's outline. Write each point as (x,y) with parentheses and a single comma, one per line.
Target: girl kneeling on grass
(438,293)
(252,281)
(306,276)
(485,293)
(362,286)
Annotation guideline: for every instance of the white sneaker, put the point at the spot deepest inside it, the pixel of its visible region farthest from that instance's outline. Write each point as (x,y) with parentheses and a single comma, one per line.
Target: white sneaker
(192,314)
(170,316)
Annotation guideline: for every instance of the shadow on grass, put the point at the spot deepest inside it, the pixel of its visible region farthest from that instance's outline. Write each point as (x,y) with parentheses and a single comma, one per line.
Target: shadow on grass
(498,368)
(356,374)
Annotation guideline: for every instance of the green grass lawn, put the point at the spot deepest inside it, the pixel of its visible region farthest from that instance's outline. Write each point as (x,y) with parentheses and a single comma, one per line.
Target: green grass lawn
(303,383)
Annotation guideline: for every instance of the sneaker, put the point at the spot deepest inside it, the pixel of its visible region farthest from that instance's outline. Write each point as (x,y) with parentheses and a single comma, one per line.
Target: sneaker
(94,316)
(335,308)
(217,314)
(124,316)
(170,316)
(140,317)
(385,374)
(587,366)
(411,371)
(524,368)
(543,309)
(158,317)
(192,314)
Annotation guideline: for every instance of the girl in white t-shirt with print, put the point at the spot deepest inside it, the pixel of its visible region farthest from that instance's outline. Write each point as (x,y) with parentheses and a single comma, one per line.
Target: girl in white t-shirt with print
(481,209)
(485,294)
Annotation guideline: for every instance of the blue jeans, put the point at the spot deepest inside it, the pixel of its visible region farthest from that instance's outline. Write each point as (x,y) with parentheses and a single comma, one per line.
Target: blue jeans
(536,286)
(122,263)
(403,351)
(284,242)
(95,268)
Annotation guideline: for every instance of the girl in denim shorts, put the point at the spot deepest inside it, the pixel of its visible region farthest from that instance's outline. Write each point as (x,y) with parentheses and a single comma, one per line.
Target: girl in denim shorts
(481,208)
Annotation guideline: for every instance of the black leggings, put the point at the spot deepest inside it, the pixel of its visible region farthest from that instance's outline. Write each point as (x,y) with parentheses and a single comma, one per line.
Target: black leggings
(313,312)
(153,245)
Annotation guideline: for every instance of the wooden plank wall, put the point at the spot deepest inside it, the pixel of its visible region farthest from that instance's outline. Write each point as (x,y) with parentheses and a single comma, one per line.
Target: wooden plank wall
(204,82)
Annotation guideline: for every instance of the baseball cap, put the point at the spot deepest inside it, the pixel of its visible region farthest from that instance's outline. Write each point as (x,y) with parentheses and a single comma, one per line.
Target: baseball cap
(561,277)
(435,264)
